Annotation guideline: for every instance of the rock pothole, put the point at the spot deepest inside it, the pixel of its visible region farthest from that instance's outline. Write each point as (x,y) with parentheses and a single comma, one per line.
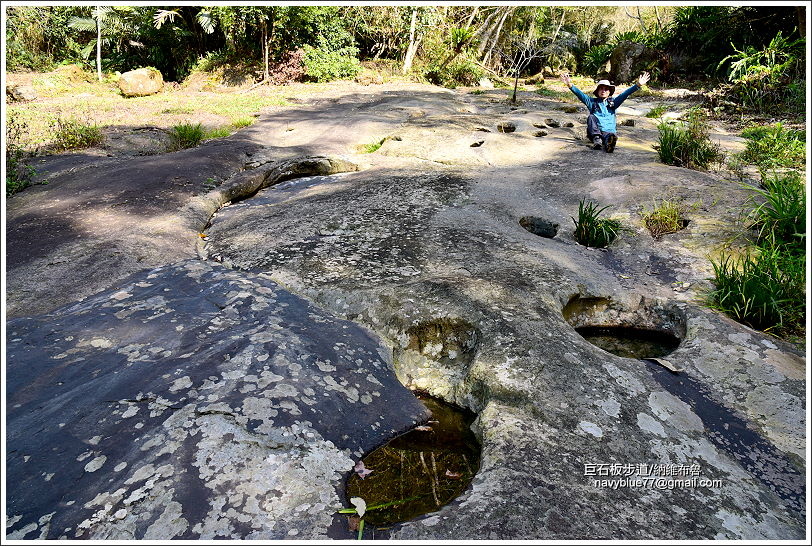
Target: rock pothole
(419,471)
(539,226)
(649,329)
(434,356)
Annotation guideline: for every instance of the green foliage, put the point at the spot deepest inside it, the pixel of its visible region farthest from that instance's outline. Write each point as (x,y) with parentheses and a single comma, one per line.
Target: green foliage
(770,146)
(323,65)
(242,121)
(763,289)
(592,230)
(185,135)
(370,148)
(657,111)
(766,78)
(596,58)
(18,174)
(219,132)
(687,144)
(665,217)
(460,71)
(71,134)
(552,93)
(781,217)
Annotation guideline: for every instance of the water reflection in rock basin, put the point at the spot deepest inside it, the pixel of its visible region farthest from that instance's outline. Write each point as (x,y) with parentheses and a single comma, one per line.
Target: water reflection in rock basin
(421,470)
(630,342)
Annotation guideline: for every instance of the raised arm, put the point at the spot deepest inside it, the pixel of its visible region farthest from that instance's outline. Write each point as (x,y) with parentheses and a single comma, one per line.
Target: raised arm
(641,81)
(565,77)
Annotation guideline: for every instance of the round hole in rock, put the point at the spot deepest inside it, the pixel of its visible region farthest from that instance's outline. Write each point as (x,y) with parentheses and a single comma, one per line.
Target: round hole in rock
(419,471)
(539,227)
(649,329)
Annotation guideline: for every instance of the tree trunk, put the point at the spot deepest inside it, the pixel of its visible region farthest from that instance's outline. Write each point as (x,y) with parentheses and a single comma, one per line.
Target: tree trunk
(496,37)
(265,46)
(801,11)
(407,62)
(98,42)
(515,87)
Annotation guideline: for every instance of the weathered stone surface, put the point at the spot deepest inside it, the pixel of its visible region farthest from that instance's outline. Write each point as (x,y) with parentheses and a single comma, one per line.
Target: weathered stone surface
(423,245)
(192,402)
(629,60)
(21,92)
(140,82)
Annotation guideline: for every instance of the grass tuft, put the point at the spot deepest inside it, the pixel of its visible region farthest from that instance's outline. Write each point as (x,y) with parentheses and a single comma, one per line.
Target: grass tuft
(370,148)
(666,217)
(185,135)
(243,121)
(72,134)
(688,144)
(593,231)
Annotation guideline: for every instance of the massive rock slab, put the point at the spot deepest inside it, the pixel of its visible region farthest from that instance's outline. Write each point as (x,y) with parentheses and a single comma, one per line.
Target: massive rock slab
(192,402)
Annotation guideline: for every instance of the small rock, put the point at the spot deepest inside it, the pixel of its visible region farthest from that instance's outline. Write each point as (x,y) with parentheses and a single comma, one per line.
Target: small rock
(540,133)
(506,127)
(552,122)
(22,93)
(628,123)
(569,124)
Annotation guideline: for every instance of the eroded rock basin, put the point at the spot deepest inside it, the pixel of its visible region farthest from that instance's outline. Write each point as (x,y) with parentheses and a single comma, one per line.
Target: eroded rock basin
(246,422)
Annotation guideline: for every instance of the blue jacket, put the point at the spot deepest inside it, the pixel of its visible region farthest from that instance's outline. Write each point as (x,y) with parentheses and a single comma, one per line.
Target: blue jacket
(604,110)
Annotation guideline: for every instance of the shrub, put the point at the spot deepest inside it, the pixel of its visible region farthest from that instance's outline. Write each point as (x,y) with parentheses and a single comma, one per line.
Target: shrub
(687,144)
(71,134)
(772,146)
(18,174)
(322,65)
(596,58)
(458,72)
(185,135)
(593,231)
(764,290)
(666,217)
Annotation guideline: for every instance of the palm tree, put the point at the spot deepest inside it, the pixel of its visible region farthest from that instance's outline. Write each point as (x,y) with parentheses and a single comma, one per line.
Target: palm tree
(108,17)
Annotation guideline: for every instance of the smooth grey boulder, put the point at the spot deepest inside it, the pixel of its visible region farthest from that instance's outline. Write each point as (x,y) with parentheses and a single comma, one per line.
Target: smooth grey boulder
(192,402)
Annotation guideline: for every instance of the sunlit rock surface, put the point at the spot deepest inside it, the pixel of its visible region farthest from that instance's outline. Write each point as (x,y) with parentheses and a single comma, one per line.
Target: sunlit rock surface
(423,247)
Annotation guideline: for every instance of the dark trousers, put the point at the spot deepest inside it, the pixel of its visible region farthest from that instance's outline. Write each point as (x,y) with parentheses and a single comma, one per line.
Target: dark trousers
(593,129)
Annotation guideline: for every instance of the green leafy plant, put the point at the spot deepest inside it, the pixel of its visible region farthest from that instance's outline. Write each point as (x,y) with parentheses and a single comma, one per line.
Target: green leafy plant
(657,111)
(665,217)
(593,231)
(763,289)
(322,65)
(596,58)
(552,93)
(770,146)
(185,135)
(19,174)
(688,144)
(781,217)
(71,133)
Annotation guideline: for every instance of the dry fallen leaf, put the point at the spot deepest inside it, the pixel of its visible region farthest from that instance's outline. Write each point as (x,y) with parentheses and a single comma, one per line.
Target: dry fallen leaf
(453,475)
(362,471)
(352,523)
(360,505)
(423,427)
